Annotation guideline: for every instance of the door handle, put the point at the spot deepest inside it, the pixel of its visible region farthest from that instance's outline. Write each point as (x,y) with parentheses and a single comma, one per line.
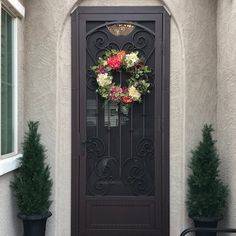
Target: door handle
(83,141)
(83,146)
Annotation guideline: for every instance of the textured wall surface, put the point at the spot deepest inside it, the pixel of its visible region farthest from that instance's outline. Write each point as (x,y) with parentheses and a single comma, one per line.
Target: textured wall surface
(226,99)
(9,223)
(48,84)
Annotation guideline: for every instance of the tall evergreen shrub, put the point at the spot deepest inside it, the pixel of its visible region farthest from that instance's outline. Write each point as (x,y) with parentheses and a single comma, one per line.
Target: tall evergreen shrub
(207,193)
(32,183)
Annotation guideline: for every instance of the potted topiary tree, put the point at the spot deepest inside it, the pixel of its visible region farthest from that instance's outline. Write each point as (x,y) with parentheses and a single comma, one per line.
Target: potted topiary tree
(32,184)
(207,194)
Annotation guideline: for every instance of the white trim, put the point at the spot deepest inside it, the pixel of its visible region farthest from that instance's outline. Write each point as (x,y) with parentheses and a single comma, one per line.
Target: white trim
(167,9)
(15,85)
(15,92)
(9,164)
(0,81)
(17,9)
(73,9)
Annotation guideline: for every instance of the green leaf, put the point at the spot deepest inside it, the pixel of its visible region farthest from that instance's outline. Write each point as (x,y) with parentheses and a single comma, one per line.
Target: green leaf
(207,194)
(32,183)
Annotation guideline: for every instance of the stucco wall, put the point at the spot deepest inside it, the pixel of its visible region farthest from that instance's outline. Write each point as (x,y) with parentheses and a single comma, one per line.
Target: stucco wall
(48,84)
(9,224)
(226,99)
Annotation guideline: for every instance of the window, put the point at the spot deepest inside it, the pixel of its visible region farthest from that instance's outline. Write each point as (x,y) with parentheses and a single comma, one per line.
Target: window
(11,13)
(8,85)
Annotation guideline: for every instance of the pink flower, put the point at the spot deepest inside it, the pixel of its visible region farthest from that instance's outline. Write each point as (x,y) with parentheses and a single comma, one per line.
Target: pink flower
(115,93)
(125,90)
(101,70)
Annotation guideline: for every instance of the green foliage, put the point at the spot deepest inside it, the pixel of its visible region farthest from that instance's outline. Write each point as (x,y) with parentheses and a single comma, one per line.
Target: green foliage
(137,84)
(32,184)
(207,194)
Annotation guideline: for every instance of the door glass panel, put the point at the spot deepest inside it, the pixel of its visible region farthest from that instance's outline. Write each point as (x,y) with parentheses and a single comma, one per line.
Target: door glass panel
(91,112)
(111,116)
(120,147)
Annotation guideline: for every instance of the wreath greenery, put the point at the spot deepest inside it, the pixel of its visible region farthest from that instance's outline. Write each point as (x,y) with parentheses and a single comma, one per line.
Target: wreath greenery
(138,84)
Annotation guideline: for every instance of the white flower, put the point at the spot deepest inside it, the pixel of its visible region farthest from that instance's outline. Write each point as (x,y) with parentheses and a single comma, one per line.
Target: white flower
(134,93)
(131,59)
(104,63)
(104,80)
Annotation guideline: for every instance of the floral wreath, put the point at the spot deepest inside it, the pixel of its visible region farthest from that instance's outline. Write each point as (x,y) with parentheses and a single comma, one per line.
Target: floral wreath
(138,84)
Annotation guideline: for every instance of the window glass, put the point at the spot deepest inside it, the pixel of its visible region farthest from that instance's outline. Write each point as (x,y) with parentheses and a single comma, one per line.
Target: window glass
(7,84)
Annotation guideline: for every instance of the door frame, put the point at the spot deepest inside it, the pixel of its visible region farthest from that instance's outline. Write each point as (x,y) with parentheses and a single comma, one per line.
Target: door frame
(165,106)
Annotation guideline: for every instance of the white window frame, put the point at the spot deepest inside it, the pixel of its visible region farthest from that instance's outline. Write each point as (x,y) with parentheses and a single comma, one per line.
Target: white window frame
(10,161)
(14,7)
(15,86)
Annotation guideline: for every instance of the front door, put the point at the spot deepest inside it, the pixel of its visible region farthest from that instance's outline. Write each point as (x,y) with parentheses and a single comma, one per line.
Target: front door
(120,161)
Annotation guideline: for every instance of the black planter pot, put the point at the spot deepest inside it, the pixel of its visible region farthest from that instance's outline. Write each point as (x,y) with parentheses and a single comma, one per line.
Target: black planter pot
(206,222)
(34,225)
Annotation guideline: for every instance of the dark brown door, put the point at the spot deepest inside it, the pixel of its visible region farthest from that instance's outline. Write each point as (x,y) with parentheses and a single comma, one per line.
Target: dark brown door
(120,162)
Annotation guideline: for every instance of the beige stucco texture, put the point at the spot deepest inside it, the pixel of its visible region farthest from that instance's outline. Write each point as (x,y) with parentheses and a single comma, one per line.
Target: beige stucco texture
(10,225)
(195,98)
(226,102)
(48,86)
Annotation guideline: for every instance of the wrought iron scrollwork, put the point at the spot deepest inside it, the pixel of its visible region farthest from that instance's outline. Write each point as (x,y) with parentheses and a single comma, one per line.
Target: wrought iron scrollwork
(145,148)
(136,175)
(123,175)
(95,147)
(113,45)
(128,46)
(91,80)
(97,186)
(107,169)
(100,39)
(105,172)
(142,39)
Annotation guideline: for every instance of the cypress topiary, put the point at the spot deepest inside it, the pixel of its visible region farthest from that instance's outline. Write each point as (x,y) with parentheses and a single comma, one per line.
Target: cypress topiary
(32,183)
(207,194)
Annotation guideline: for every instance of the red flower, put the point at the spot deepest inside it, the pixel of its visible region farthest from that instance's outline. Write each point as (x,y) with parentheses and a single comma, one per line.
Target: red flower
(114,62)
(127,99)
(101,70)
